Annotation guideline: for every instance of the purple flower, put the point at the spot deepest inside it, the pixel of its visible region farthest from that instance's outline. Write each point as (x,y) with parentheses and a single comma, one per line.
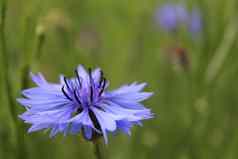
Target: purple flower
(195,22)
(83,104)
(170,16)
(181,13)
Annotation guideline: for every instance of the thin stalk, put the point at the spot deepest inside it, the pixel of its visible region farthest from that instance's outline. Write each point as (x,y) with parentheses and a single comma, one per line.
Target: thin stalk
(99,149)
(8,86)
(31,56)
(40,41)
(5,63)
(222,52)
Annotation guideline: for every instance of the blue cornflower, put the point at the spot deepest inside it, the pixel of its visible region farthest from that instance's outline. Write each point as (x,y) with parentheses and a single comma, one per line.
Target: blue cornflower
(170,16)
(195,22)
(83,104)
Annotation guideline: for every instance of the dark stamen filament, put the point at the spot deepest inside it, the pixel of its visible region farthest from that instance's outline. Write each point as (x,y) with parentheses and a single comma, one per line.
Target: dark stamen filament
(66,82)
(101,78)
(100,108)
(94,120)
(91,93)
(103,87)
(79,79)
(90,75)
(91,84)
(66,95)
(76,97)
(79,110)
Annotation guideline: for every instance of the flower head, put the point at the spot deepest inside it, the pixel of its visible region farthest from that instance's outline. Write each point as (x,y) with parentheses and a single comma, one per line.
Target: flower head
(83,104)
(170,16)
(195,22)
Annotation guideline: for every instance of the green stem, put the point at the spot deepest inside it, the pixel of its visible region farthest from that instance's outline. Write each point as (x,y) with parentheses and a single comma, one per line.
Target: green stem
(30,57)
(98,149)
(39,45)
(5,63)
(8,86)
(222,52)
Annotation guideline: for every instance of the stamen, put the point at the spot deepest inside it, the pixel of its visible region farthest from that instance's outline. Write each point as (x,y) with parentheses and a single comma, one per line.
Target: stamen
(94,120)
(100,108)
(103,86)
(91,93)
(66,82)
(66,95)
(76,97)
(90,72)
(79,110)
(101,79)
(101,74)
(79,78)
(91,84)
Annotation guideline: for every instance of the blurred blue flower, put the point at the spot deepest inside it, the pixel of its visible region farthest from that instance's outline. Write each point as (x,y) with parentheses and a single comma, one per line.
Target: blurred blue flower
(182,13)
(83,104)
(170,16)
(195,22)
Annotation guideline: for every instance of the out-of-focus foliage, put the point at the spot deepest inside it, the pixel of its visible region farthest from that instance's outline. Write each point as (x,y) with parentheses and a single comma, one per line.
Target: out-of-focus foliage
(196,107)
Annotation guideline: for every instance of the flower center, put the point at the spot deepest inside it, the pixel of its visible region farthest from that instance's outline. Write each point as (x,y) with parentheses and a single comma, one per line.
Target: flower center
(85,91)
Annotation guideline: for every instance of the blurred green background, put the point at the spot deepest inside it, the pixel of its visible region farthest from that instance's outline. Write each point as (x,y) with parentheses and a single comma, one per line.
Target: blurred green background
(196,109)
